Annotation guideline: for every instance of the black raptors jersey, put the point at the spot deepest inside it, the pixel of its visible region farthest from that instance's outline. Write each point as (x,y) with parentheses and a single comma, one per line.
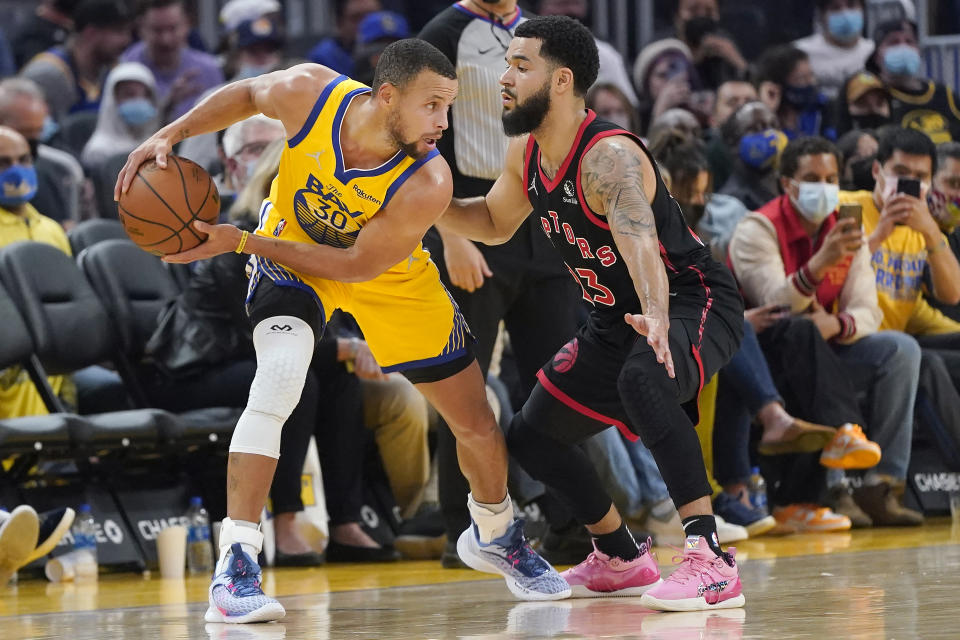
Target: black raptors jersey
(584,240)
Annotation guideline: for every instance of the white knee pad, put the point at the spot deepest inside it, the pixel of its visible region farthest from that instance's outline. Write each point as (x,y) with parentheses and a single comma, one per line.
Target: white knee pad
(284,347)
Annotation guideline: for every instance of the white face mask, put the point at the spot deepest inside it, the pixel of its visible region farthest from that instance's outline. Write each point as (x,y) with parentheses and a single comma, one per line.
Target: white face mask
(890,187)
(816,200)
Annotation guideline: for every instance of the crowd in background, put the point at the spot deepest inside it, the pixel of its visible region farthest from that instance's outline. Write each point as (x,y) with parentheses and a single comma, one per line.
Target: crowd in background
(825,173)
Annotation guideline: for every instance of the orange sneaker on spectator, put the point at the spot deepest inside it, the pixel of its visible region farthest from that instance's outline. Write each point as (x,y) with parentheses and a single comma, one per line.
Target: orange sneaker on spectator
(850,449)
(809,518)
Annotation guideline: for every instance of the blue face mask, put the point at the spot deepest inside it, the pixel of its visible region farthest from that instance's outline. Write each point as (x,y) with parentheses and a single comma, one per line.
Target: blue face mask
(252,71)
(137,112)
(18,185)
(50,129)
(760,150)
(902,60)
(846,24)
(802,98)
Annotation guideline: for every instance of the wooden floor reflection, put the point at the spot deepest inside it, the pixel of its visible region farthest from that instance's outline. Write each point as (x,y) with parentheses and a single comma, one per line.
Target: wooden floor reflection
(868,585)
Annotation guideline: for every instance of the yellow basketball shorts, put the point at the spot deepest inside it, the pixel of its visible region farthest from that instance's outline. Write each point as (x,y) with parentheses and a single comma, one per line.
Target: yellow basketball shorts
(408,319)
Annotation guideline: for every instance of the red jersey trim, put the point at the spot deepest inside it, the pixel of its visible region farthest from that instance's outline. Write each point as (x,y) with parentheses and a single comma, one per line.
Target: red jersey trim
(582,410)
(562,171)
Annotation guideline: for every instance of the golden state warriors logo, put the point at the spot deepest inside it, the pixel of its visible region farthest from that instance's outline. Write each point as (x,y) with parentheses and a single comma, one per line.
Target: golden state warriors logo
(929,122)
(324,216)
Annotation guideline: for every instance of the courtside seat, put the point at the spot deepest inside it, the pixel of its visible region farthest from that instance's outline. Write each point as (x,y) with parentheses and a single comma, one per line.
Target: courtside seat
(30,433)
(90,232)
(70,330)
(135,287)
(37,433)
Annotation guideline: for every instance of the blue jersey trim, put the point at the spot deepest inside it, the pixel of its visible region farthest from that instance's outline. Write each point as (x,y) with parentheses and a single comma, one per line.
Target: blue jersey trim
(315,112)
(409,171)
(426,362)
(345,176)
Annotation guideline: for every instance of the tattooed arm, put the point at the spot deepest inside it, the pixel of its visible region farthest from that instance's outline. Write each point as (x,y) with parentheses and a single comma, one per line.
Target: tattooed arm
(616,176)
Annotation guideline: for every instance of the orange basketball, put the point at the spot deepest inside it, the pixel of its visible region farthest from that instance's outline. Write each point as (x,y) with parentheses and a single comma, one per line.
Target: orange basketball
(160,206)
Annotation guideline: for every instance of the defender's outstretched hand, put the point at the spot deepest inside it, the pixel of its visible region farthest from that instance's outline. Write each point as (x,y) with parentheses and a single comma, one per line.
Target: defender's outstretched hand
(656,332)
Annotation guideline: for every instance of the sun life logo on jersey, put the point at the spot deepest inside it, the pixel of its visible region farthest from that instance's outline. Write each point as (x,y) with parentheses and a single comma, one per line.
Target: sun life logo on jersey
(569,192)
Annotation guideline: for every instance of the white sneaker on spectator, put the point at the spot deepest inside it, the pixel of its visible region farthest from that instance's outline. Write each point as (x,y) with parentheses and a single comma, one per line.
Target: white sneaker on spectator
(728,533)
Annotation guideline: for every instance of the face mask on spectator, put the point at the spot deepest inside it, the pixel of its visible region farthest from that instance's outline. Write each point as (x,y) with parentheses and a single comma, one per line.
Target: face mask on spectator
(869,121)
(902,60)
(846,24)
(802,98)
(816,200)
(18,185)
(890,187)
(861,174)
(945,211)
(137,112)
(50,129)
(761,150)
(253,70)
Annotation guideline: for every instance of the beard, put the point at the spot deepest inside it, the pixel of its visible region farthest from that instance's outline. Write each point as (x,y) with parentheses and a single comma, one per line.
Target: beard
(527,116)
(396,135)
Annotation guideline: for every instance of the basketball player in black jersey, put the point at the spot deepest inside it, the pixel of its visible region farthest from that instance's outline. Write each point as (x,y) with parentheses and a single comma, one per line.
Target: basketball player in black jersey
(665,317)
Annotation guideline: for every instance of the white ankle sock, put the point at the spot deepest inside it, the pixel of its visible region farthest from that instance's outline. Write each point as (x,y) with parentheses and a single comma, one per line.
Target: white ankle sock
(492,520)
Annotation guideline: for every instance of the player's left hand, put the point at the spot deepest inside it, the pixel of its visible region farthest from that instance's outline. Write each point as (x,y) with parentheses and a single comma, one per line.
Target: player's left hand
(656,331)
(221,238)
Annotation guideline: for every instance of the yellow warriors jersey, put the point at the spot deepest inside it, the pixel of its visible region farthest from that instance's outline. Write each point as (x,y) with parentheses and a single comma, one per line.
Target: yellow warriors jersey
(407,317)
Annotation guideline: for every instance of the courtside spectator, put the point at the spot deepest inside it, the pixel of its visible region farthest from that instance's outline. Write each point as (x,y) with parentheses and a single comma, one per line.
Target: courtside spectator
(794,251)
(60,179)
(128,115)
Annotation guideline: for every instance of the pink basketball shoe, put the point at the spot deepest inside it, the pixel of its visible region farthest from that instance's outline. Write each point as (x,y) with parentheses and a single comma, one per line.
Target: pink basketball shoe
(601,575)
(702,581)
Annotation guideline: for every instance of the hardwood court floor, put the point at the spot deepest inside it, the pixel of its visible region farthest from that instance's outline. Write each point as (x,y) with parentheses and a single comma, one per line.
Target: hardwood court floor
(868,585)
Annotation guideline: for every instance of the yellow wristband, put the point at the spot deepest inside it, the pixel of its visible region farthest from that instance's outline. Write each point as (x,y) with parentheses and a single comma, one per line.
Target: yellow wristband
(243,242)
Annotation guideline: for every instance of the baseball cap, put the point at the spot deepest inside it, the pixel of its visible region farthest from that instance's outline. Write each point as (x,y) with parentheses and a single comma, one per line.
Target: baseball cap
(262,30)
(861,84)
(382,24)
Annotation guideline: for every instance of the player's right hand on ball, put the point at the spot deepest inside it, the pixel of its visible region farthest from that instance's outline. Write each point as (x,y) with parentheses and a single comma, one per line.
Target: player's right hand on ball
(221,238)
(156,147)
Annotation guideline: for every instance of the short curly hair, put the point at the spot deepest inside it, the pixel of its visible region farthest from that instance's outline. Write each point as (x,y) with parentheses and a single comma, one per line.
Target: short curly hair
(566,43)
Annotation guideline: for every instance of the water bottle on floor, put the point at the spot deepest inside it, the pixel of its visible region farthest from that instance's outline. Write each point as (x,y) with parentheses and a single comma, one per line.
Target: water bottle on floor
(199,551)
(85,541)
(758,491)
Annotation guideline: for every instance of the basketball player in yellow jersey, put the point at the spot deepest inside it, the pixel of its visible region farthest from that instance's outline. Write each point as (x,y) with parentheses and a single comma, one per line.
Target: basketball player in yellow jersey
(360,182)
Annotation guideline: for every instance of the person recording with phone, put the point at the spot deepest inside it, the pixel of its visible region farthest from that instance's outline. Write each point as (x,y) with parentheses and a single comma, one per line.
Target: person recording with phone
(796,250)
(909,248)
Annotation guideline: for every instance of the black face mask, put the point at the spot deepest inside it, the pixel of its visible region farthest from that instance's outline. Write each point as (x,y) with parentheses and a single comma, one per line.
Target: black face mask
(695,29)
(869,121)
(34,148)
(861,174)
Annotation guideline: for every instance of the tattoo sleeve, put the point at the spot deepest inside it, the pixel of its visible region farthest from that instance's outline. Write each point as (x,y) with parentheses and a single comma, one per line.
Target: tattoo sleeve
(612,179)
